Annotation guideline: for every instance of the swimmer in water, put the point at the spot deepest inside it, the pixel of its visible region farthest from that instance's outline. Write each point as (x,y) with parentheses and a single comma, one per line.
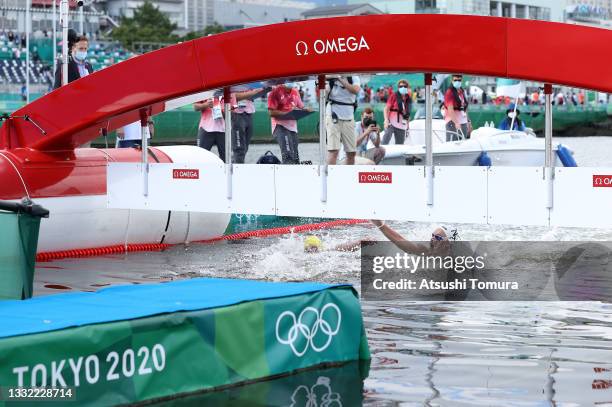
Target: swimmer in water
(438,244)
(313,244)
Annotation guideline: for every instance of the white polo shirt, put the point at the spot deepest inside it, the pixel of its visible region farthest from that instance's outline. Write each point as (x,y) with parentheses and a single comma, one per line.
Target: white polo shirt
(132,131)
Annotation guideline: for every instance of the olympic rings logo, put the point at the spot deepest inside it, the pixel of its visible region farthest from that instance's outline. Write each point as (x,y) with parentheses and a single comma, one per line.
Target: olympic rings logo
(319,394)
(299,328)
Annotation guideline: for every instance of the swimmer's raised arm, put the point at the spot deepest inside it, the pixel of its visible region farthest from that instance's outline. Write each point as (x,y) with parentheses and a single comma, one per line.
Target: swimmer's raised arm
(399,240)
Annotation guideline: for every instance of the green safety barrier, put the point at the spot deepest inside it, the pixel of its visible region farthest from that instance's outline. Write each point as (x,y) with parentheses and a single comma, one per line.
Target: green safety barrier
(18,249)
(416,80)
(164,355)
(244,223)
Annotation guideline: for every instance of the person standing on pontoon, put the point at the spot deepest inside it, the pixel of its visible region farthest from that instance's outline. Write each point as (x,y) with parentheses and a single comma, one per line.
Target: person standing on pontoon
(340,117)
(282,100)
(397,113)
(456,103)
(242,123)
(211,130)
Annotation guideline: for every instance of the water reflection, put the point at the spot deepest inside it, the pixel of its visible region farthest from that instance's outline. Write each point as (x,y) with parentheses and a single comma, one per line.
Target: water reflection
(331,387)
(489,353)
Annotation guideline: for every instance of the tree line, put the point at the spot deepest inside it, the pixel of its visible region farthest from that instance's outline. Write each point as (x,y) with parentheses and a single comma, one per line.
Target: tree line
(148,24)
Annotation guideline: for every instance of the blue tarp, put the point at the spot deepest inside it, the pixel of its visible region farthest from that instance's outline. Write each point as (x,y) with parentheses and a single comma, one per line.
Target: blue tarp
(49,313)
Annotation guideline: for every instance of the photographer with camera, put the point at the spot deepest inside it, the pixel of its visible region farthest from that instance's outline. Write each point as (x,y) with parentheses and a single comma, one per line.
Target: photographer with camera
(340,122)
(367,130)
(397,113)
(78,67)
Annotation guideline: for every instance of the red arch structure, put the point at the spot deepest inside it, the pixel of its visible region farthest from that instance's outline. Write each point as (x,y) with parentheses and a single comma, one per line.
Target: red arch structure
(522,49)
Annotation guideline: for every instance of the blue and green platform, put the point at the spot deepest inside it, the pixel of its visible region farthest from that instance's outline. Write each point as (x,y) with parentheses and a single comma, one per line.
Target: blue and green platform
(145,343)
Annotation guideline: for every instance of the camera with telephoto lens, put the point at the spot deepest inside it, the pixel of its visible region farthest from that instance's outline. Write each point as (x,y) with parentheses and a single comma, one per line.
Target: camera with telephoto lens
(367,122)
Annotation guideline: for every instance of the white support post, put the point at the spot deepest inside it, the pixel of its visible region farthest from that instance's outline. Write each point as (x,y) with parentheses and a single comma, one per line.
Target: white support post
(54,38)
(429,172)
(322,139)
(64,20)
(186,15)
(549,162)
(228,140)
(81,20)
(144,123)
(28,25)
(516,101)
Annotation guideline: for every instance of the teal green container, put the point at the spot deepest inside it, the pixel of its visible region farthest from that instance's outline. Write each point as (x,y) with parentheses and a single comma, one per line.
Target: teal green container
(19,226)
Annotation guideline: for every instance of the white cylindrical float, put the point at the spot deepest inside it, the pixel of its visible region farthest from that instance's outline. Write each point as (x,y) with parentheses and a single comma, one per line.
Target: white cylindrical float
(84,221)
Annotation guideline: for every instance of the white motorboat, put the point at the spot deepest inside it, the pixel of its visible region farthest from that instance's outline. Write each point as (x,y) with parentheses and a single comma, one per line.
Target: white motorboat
(486,146)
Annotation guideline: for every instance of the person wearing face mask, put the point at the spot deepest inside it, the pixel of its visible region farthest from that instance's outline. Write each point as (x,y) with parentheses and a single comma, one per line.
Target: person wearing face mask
(397,113)
(512,113)
(78,67)
(283,99)
(456,103)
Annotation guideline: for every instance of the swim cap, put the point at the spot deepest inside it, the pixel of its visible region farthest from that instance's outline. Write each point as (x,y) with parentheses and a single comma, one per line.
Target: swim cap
(451,234)
(312,243)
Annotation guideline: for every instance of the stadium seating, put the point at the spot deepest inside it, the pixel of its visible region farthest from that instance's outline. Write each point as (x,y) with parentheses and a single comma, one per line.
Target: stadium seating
(13,71)
(13,55)
(101,57)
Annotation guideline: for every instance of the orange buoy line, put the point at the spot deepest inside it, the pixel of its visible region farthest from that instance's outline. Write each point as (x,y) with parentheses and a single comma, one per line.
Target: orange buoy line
(156,247)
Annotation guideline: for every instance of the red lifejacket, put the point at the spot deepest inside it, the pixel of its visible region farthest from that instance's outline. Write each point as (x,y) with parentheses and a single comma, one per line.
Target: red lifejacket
(459,104)
(401,107)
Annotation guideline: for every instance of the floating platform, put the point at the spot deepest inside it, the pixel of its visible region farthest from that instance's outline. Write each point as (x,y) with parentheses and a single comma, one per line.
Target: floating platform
(128,344)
